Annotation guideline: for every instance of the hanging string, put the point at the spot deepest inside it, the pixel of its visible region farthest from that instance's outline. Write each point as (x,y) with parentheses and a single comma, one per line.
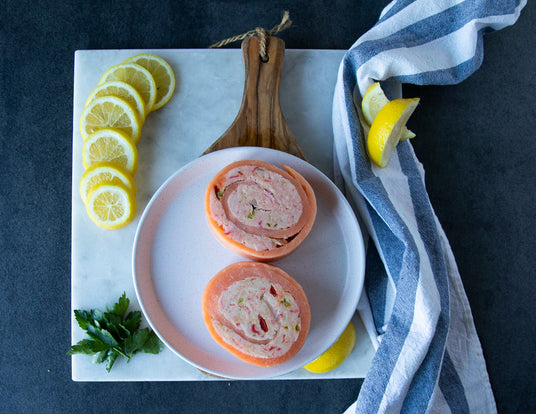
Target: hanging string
(263,35)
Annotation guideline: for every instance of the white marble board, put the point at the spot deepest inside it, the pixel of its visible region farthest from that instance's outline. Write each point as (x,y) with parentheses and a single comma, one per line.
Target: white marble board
(206,100)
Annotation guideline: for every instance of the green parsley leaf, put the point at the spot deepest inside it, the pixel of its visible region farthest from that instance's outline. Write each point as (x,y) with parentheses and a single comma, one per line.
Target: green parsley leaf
(97,316)
(113,335)
(96,332)
(82,347)
(110,359)
(132,322)
(82,317)
(121,306)
(99,357)
(135,342)
(152,345)
(111,318)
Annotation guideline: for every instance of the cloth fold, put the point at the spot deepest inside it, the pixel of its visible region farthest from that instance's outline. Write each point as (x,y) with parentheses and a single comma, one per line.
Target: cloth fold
(429,357)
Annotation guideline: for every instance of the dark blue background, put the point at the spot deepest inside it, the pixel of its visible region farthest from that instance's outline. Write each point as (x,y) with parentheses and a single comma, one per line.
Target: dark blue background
(476,141)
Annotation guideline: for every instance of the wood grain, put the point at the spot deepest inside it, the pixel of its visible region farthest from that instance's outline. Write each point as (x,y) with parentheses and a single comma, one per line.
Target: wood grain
(260,121)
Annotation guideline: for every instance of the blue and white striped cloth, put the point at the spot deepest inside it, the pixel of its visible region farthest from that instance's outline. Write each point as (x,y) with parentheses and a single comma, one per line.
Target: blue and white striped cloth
(429,357)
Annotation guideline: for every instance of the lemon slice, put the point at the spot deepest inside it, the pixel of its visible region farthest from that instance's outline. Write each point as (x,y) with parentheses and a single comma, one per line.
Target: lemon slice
(137,76)
(386,129)
(373,101)
(162,74)
(122,90)
(336,354)
(110,112)
(111,205)
(110,145)
(105,172)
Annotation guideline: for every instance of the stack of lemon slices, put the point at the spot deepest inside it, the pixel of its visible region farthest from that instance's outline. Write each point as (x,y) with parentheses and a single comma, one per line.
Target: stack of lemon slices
(384,122)
(111,126)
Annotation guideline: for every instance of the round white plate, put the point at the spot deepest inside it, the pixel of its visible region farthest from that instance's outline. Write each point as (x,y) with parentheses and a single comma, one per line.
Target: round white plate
(175,255)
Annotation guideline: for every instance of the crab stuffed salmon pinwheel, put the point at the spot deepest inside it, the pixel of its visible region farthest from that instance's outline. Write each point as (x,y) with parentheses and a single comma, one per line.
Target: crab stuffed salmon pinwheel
(259,210)
(257,312)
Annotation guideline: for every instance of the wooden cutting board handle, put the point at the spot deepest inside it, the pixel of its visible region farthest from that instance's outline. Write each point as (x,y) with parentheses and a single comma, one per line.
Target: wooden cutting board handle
(260,121)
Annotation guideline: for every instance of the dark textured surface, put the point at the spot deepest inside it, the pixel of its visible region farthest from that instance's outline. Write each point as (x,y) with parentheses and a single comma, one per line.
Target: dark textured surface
(476,141)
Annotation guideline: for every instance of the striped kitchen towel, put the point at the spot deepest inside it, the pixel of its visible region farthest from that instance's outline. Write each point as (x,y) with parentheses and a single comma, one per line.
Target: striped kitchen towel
(429,357)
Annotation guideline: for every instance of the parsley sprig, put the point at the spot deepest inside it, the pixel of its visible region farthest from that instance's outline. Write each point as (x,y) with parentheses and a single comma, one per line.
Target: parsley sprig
(113,334)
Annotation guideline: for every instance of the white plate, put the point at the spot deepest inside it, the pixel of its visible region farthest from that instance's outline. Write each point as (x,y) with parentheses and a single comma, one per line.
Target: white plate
(175,255)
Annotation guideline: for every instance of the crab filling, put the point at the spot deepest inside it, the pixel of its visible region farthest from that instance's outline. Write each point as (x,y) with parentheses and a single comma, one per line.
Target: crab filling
(257,207)
(260,318)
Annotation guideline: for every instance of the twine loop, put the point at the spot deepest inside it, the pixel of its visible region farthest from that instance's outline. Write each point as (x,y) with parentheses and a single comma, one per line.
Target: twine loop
(261,33)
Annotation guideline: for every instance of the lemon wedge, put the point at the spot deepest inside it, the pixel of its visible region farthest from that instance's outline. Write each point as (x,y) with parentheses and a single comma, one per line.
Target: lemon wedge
(122,90)
(162,74)
(111,206)
(371,104)
(110,112)
(105,172)
(110,145)
(137,76)
(373,101)
(386,130)
(336,354)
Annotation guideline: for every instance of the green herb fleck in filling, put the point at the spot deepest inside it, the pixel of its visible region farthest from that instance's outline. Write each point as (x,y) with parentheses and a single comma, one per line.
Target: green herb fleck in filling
(286,303)
(251,214)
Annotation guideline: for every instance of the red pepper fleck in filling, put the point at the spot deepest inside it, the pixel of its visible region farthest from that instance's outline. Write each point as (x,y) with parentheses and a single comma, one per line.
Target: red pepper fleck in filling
(262,322)
(272,291)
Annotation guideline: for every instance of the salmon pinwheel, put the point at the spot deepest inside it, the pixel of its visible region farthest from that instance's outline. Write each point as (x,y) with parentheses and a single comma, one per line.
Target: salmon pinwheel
(257,312)
(260,211)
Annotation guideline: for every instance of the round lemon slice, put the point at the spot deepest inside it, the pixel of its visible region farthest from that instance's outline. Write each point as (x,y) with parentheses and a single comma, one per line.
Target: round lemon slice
(122,90)
(371,104)
(137,76)
(111,205)
(386,129)
(110,112)
(336,354)
(110,145)
(105,172)
(162,74)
